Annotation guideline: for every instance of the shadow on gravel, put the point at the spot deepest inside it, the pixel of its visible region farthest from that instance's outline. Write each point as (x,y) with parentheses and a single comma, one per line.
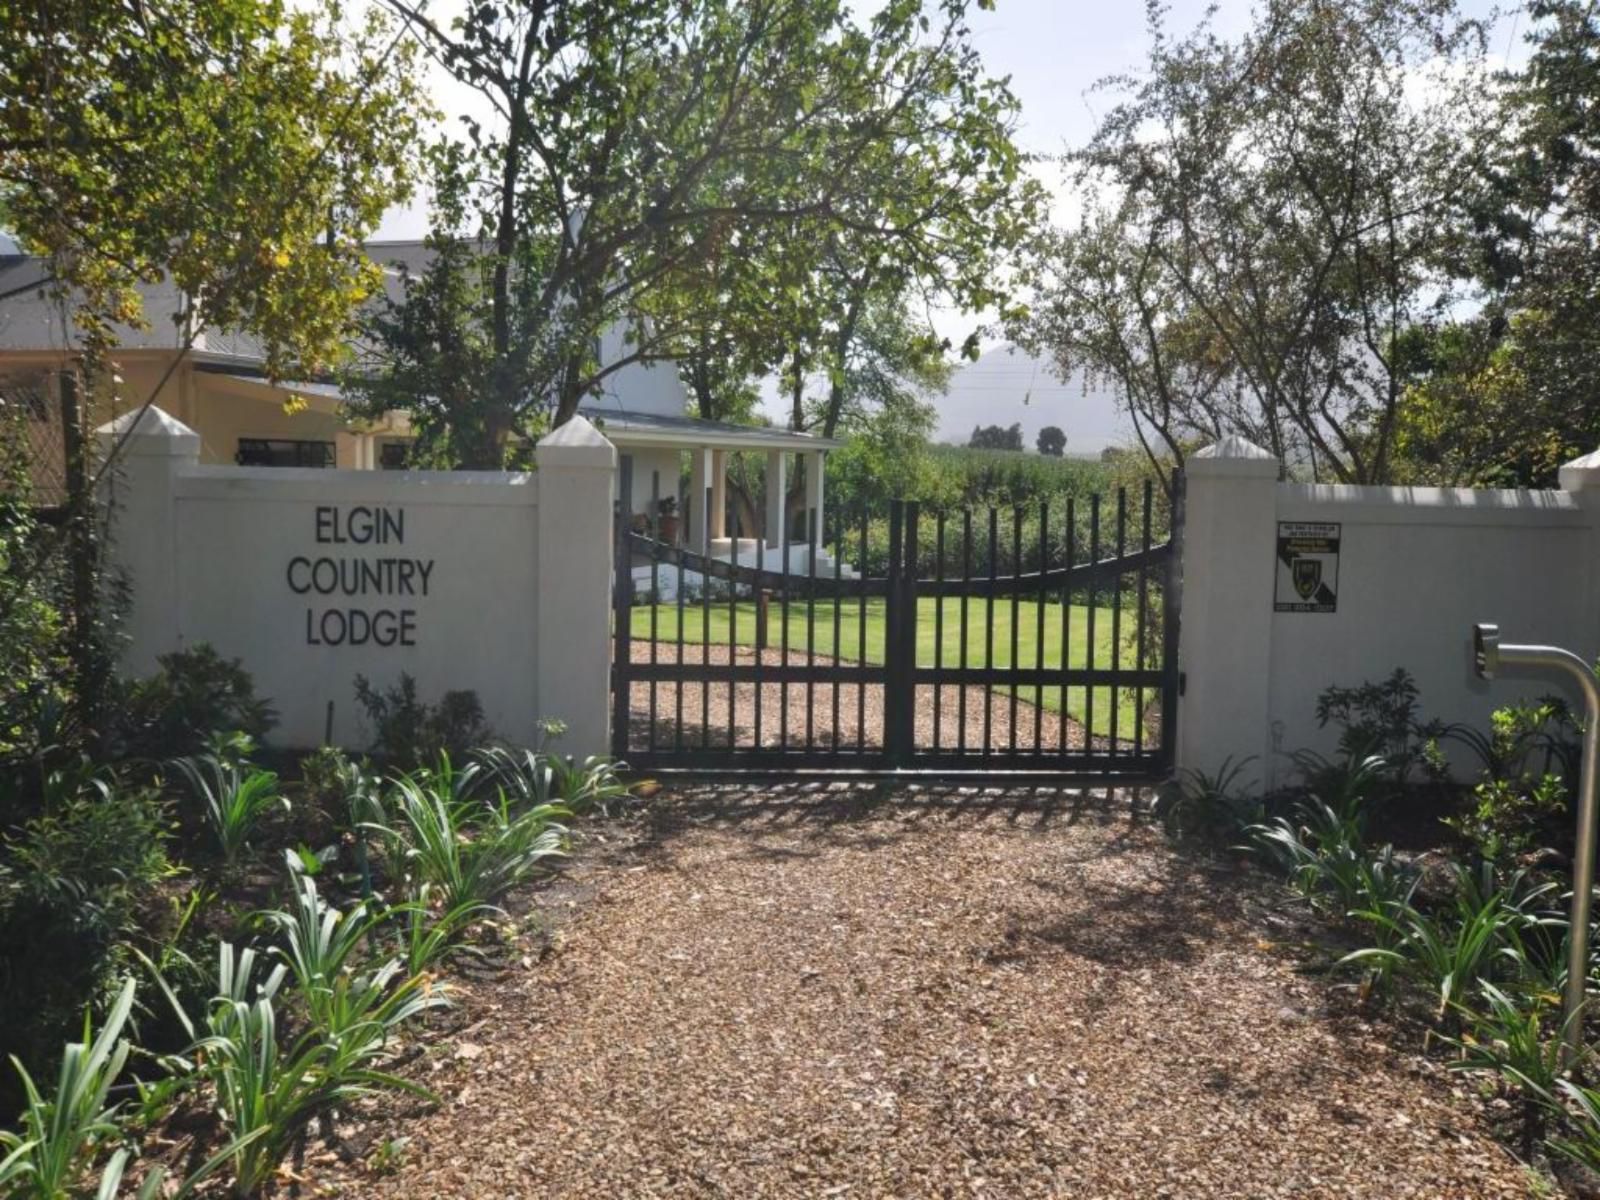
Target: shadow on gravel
(1172,917)
(877,814)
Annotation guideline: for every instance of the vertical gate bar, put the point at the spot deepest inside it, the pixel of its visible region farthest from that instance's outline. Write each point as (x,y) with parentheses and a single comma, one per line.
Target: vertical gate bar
(733,633)
(761,649)
(811,626)
(892,617)
(1116,618)
(655,592)
(1066,623)
(966,582)
(1016,618)
(705,621)
(622,678)
(904,706)
(861,638)
(988,633)
(783,678)
(938,628)
(1139,632)
(1171,618)
(1038,626)
(1094,601)
(839,527)
(677,733)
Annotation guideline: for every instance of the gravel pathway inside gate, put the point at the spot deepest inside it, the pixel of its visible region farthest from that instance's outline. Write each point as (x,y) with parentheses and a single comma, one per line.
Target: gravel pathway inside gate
(844,993)
(710,714)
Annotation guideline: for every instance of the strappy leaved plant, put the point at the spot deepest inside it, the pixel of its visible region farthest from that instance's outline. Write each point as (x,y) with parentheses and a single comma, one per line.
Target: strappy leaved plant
(236,797)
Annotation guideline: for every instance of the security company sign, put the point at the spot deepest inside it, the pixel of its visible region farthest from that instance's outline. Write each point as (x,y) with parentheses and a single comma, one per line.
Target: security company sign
(1308,567)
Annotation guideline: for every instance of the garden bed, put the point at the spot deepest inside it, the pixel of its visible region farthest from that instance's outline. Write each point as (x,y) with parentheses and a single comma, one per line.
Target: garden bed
(845,993)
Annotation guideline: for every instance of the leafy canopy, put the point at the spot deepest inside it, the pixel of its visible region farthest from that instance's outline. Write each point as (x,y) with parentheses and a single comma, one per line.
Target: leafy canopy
(243,148)
(715,179)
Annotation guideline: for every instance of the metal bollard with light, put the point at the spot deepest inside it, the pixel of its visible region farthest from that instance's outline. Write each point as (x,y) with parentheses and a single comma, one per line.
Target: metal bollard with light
(1488,657)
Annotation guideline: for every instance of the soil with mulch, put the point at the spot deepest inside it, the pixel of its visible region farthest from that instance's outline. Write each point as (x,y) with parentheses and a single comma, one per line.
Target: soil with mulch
(848,716)
(848,993)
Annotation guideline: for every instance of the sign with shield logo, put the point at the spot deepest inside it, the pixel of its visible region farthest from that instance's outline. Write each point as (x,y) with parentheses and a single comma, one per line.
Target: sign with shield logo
(1307,575)
(1308,567)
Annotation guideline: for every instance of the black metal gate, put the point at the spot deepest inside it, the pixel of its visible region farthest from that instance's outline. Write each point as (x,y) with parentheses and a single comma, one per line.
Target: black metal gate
(1032,643)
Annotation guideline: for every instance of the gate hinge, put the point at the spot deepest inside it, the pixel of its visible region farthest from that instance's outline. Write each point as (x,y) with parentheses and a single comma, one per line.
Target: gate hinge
(1183,682)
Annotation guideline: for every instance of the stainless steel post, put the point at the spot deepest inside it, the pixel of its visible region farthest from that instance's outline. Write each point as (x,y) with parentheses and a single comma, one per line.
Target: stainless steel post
(1490,656)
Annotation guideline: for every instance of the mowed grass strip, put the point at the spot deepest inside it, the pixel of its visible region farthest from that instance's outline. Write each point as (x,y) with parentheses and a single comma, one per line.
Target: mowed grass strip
(979,621)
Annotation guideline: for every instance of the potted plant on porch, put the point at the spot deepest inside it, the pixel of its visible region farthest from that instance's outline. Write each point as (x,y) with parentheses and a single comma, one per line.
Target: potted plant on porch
(667,520)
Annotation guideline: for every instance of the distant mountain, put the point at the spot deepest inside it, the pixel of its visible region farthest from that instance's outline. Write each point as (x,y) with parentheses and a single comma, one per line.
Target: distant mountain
(1006,386)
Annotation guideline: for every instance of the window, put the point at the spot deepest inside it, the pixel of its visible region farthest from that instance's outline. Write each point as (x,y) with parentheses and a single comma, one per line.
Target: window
(283,452)
(394,456)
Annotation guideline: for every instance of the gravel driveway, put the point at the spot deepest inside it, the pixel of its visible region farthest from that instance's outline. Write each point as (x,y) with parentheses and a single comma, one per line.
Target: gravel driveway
(850,994)
(696,715)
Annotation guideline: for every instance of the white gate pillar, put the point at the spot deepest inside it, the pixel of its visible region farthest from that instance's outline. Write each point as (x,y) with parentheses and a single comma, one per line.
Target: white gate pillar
(143,486)
(1226,638)
(577,471)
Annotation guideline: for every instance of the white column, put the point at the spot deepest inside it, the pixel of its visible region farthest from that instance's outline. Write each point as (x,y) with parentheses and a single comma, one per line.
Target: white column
(815,462)
(719,493)
(144,540)
(1226,636)
(577,470)
(777,493)
(698,516)
(1581,477)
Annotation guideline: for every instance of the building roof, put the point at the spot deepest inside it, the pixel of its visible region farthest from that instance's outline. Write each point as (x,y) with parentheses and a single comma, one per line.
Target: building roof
(658,429)
(625,428)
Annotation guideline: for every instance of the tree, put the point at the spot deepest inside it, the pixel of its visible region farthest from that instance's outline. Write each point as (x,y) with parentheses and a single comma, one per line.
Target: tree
(239,148)
(993,437)
(685,170)
(1052,441)
(1506,395)
(1263,220)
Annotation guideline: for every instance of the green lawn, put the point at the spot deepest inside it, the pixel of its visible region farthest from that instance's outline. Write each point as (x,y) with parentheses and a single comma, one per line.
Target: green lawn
(978,623)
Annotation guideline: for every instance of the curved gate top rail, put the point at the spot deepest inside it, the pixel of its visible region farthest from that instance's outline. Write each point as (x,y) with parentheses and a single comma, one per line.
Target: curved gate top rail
(1062,668)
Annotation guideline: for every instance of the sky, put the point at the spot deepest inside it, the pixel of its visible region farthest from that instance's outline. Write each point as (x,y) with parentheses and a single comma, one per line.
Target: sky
(1054,52)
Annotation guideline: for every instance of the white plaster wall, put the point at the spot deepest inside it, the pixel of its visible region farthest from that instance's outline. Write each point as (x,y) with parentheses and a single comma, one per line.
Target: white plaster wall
(238,530)
(1417,568)
(646,463)
(638,387)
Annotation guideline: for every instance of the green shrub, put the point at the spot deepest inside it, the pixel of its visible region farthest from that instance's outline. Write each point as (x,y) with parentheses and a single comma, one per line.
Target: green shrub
(35,672)
(194,697)
(1479,939)
(270,1086)
(1208,807)
(236,797)
(472,851)
(408,731)
(72,883)
(1523,802)
(60,1134)
(1380,720)
(1516,1039)
(533,777)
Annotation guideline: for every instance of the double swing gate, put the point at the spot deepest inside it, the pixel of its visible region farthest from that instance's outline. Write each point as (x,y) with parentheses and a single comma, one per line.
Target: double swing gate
(1030,643)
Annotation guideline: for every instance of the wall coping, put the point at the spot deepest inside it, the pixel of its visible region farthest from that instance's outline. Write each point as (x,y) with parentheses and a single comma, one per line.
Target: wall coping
(1232,457)
(151,431)
(1581,474)
(576,444)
